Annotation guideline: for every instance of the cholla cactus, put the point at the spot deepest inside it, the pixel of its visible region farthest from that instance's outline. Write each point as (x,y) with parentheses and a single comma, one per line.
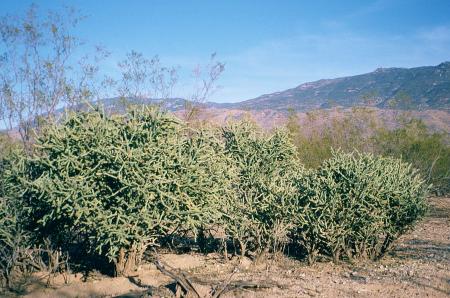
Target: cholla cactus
(120,183)
(356,204)
(257,218)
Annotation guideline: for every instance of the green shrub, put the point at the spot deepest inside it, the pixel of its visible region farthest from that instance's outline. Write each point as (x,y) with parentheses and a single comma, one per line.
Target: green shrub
(322,131)
(7,236)
(118,184)
(7,145)
(257,216)
(14,240)
(356,204)
(427,151)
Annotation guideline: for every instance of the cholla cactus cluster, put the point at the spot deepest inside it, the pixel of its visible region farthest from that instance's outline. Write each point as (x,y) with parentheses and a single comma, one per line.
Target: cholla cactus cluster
(119,183)
(356,204)
(115,185)
(267,167)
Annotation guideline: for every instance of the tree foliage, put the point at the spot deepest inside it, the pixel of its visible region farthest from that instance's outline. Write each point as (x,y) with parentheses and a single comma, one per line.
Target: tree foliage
(38,69)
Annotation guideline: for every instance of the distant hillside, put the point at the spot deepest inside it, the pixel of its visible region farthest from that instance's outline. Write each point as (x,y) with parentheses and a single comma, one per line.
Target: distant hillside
(436,120)
(418,88)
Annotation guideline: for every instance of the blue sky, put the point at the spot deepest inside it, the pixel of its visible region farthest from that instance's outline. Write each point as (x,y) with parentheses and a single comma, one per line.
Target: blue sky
(267,45)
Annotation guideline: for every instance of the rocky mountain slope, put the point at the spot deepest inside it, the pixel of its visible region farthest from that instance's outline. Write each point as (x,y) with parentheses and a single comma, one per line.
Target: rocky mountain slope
(418,88)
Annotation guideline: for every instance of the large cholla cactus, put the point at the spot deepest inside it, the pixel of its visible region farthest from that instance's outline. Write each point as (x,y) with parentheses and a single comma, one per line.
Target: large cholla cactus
(257,218)
(356,204)
(120,183)
(116,185)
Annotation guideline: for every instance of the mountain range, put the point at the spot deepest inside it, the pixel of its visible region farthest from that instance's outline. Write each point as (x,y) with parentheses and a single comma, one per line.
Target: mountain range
(418,88)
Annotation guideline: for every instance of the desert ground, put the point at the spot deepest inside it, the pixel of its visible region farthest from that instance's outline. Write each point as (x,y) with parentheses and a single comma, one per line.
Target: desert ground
(417,266)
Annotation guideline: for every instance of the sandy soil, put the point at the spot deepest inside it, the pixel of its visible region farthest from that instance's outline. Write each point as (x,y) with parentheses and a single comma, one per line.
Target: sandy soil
(418,266)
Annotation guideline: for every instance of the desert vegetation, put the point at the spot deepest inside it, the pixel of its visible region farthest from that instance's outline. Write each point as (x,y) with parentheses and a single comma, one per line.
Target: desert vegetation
(83,188)
(406,138)
(116,186)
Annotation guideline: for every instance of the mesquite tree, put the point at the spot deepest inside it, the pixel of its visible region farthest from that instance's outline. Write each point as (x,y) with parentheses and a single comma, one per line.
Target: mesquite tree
(205,84)
(38,69)
(143,78)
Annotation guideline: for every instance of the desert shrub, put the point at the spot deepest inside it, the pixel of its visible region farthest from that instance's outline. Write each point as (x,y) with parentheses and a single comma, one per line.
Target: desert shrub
(20,254)
(356,204)
(118,184)
(256,218)
(358,129)
(8,227)
(8,145)
(321,132)
(427,151)
(16,254)
(8,234)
